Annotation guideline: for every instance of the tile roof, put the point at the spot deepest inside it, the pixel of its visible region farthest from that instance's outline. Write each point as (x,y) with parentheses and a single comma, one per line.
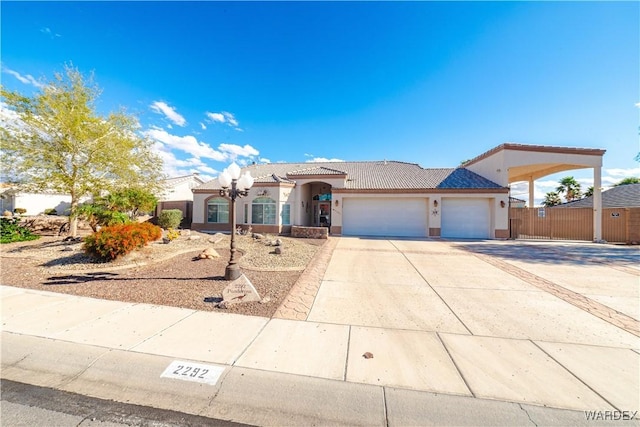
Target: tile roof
(623,196)
(171,182)
(464,178)
(371,175)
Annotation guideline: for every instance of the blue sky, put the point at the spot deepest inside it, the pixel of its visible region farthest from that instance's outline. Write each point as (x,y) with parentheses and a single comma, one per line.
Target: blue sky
(432,83)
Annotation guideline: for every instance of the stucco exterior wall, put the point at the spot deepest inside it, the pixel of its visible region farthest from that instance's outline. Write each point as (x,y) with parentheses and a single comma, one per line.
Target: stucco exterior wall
(36,204)
(179,192)
(491,168)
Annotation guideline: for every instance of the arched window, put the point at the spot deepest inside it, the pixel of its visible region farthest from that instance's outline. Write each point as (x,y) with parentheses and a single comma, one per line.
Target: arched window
(263,211)
(218,210)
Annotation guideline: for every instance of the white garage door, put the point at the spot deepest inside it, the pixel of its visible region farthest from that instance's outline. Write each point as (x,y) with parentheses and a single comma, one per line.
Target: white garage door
(465,218)
(384,217)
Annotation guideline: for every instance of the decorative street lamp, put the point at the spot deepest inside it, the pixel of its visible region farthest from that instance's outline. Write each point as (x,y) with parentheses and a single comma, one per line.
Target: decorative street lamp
(239,188)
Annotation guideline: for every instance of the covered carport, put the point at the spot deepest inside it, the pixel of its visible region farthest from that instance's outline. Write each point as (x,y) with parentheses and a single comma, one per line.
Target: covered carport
(509,163)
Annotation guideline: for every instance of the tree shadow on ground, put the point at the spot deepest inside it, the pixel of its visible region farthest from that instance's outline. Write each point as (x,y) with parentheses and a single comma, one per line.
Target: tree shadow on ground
(75,258)
(78,279)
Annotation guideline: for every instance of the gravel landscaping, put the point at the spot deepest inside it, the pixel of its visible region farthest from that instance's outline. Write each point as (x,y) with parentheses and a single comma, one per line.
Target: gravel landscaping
(165,274)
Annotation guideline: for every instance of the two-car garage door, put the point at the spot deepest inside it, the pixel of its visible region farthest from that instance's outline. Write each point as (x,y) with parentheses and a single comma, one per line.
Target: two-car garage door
(467,218)
(384,216)
(464,218)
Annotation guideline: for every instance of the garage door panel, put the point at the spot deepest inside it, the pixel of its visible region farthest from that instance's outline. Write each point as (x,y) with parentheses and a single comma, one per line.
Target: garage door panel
(384,217)
(466,218)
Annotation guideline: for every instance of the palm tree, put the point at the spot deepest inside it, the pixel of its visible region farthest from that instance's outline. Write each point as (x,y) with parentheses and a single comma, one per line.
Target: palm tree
(627,181)
(589,192)
(551,199)
(570,188)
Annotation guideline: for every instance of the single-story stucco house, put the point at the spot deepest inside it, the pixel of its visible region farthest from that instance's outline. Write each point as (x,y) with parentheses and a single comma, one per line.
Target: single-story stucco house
(176,194)
(388,198)
(34,203)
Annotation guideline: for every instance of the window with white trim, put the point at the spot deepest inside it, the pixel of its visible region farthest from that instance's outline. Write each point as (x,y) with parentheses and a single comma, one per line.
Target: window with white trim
(218,210)
(286,214)
(263,211)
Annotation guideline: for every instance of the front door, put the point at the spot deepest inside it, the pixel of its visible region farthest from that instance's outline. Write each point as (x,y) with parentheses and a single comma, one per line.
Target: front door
(324,214)
(321,214)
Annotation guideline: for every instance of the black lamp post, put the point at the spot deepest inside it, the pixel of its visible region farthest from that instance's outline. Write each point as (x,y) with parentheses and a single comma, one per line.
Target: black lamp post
(239,188)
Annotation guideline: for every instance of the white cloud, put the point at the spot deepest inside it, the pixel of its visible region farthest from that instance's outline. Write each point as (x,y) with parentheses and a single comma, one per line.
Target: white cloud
(208,170)
(230,118)
(311,158)
(162,108)
(28,79)
(7,115)
(188,144)
(175,167)
(638,104)
(225,117)
(323,159)
(216,117)
(235,151)
(47,31)
(264,160)
(623,173)
(203,126)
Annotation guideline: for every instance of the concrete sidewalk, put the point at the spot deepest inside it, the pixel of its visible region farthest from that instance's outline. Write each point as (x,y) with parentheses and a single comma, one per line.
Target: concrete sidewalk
(286,372)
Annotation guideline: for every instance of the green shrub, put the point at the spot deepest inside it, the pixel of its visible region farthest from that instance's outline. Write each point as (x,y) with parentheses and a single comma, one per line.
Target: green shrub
(97,215)
(51,211)
(20,211)
(170,218)
(112,242)
(11,231)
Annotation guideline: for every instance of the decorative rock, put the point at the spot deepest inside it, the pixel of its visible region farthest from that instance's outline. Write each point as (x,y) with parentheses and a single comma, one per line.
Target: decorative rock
(240,290)
(368,355)
(257,236)
(216,238)
(187,233)
(265,300)
(193,237)
(67,249)
(209,253)
(278,242)
(278,250)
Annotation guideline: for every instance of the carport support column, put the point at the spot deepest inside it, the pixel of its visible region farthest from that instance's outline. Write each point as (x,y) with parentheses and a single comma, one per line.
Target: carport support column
(531,192)
(597,204)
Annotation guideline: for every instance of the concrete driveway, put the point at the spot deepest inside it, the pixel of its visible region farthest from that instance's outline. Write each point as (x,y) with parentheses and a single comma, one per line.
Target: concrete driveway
(549,323)
(480,288)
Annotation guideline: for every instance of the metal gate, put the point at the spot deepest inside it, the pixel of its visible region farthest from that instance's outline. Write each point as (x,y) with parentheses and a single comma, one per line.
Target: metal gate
(567,224)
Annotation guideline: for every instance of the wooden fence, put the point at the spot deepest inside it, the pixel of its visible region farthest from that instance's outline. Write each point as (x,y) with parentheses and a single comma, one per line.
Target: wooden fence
(618,224)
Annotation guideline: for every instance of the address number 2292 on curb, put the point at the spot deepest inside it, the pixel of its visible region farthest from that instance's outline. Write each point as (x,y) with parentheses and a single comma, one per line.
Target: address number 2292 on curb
(197,372)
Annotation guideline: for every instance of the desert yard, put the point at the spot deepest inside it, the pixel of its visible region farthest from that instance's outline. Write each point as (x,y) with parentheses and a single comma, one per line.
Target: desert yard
(164,274)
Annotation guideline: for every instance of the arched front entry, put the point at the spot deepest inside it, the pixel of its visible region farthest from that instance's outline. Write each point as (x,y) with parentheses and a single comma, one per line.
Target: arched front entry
(316,204)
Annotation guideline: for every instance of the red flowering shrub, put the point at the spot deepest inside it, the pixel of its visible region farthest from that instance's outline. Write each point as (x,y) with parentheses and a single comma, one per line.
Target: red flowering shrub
(111,242)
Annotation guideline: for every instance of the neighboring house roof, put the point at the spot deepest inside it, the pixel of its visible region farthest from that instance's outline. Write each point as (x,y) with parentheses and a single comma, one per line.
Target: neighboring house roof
(516,200)
(172,182)
(622,196)
(372,175)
